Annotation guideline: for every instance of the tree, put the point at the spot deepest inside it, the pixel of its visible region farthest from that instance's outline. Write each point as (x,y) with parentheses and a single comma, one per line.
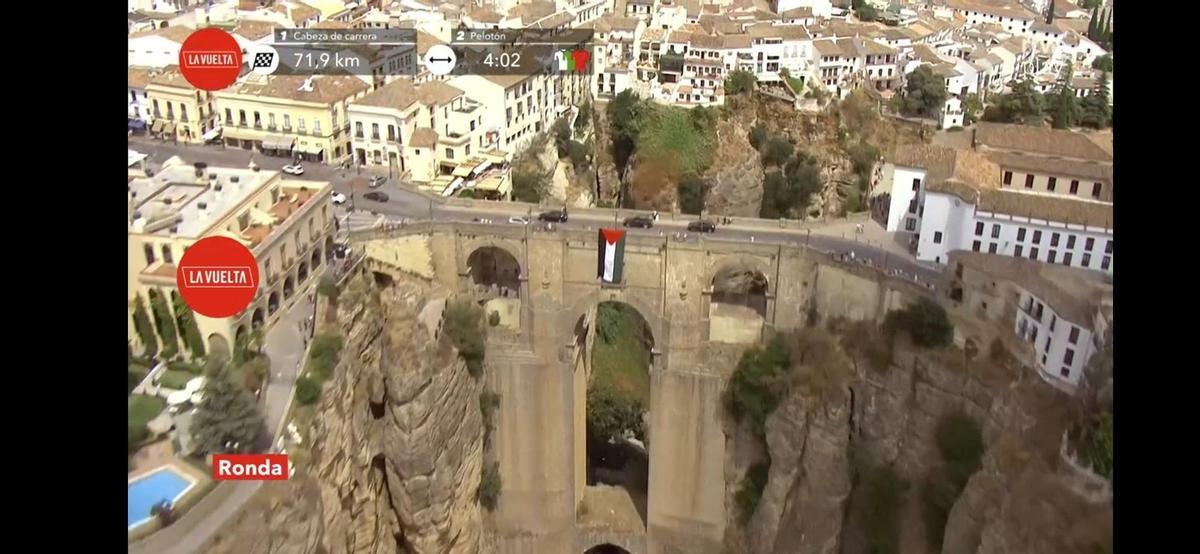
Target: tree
(1024,104)
(1094,23)
(1103,63)
(528,186)
(327,287)
(187,324)
(692,191)
(925,92)
(227,419)
(1097,445)
(739,81)
(1096,112)
(1064,105)
(489,486)
(307,390)
(164,323)
(561,130)
(611,415)
(925,321)
(759,383)
(145,330)
(777,151)
(750,493)
(624,116)
(972,108)
(579,154)
(866,12)
(584,117)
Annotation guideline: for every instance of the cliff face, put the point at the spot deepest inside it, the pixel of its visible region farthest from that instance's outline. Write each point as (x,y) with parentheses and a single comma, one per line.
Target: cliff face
(396,459)
(1018,502)
(736,175)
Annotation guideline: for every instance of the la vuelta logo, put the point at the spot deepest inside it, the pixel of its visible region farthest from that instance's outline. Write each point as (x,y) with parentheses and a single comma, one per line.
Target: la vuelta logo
(217,277)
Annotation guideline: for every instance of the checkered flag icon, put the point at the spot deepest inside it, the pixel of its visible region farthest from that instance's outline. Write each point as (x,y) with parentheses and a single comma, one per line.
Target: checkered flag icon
(263,59)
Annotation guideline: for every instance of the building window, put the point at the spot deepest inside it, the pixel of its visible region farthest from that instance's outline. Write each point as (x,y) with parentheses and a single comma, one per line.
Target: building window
(1104,263)
(228,116)
(1067,258)
(916,184)
(271,120)
(1064,372)
(978,229)
(910,224)
(1029,181)
(1087,260)
(167,256)
(1051,183)
(1017,250)
(1074,336)
(1021,234)
(1096,190)
(358,129)
(449,153)
(300,124)
(374,131)
(242,118)
(1052,256)
(1089,243)
(937,237)
(992,248)
(1053,239)
(1074,187)
(257,120)
(317,127)
(170,110)
(1108,248)
(1037,237)
(392,133)
(1033,253)
(149,250)
(287,122)
(975,246)
(995,230)
(1069,357)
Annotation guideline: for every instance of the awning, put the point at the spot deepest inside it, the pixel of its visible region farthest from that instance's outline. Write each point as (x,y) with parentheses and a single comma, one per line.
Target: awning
(454,186)
(212,134)
(463,170)
(311,149)
(278,142)
(168,128)
(157,126)
(137,124)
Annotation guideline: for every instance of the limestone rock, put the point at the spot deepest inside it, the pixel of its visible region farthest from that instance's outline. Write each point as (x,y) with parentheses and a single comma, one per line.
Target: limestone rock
(736,175)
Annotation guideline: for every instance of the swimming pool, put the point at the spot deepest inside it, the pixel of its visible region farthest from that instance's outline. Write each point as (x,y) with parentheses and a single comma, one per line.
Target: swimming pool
(144,492)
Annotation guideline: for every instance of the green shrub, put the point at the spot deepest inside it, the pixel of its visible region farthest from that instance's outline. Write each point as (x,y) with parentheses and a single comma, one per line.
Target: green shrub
(584,118)
(691,192)
(327,287)
(926,322)
(527,187)
(750,493)
(464,326)
(489,486)
(1097,445)
(961,444)
(739,81)
(611,414)
(323,355)
(777,151)
(579,155)
(758,136)
(307,390)
(759,383)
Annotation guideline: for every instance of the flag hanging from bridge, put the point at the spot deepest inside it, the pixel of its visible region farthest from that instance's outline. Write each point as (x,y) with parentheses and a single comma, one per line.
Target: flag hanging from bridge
(612,255)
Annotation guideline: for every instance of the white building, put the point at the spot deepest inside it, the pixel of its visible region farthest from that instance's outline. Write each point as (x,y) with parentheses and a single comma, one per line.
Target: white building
(1008,15)
(1054,316)
(157,48)
(953,200)
(139,102)
(818,8)
(952,113)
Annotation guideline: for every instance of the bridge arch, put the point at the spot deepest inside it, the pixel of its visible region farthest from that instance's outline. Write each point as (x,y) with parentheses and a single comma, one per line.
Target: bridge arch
(739,299)
(607,548)
(570,317)
(471,245)
(493,266)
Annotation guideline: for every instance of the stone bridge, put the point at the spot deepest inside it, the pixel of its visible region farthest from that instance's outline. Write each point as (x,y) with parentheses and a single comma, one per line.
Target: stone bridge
(540,372)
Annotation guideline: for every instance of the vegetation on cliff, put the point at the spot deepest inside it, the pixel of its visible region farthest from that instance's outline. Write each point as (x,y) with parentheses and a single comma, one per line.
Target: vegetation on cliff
(960,443)
(750,493)
(925,321)
(619,391)
(464,325)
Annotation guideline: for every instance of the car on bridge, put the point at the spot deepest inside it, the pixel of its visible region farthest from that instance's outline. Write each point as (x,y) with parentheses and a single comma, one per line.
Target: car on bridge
(518,220)
(376,181)
(559,216)
(376,196)
(702,226)
(639,221)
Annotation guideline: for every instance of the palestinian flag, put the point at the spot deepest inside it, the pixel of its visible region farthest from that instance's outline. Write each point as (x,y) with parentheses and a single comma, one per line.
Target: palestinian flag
(612,255)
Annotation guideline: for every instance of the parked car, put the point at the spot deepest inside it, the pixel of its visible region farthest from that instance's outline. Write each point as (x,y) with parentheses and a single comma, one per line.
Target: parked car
(338,198)
(702,226)
(376,196)
(641,221)
(553,215)
(518,220)
(296,169)
(376,181)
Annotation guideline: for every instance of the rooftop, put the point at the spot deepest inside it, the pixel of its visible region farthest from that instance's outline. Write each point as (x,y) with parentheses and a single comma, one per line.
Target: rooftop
(173,33)
(176,194)
(401,94)
(1073,293)
(423,137)
(1005,8)
(1041,140)
(139,77)
(253,30)
(325,89)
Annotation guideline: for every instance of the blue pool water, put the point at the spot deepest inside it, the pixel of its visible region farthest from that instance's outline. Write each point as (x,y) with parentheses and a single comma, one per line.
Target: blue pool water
(163,483)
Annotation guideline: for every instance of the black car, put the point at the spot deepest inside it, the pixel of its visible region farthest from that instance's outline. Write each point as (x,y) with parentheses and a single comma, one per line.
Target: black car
(702,226)
(641,221)
(559,216)
(376,196)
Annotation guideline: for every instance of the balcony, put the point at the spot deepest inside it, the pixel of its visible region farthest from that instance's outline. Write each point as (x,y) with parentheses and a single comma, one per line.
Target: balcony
(258,125)
(229,122)
(287,128)
(271,127)
(242,123)
(374,137)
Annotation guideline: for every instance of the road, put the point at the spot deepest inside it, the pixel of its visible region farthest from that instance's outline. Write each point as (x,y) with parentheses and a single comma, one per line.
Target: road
(406,204)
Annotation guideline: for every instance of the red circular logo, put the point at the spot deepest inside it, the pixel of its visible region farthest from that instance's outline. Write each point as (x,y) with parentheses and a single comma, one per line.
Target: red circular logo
(210,59)
(217,277)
